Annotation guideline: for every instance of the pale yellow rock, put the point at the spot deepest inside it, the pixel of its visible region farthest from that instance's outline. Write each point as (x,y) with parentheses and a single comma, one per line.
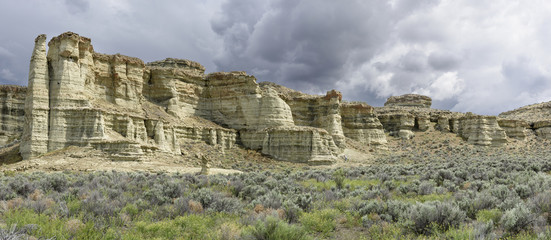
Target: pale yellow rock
(361,124)
(37,105)
(482,130)
(518,129)
(295,144)
(409,100)
(12,111)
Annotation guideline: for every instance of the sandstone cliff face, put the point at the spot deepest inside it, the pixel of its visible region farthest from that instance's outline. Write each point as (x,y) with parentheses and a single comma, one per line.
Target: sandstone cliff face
(77,97)
(537,116)
(264,120)
(37,104)
(339,118)
(409,100)
(360,123)
(120,105)
(517,129)
(319,111)
(481,130)
(12,113)
(542,128)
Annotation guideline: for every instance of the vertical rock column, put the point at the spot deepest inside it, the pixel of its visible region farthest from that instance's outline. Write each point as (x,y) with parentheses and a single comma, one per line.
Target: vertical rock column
(35,131)
(68,54)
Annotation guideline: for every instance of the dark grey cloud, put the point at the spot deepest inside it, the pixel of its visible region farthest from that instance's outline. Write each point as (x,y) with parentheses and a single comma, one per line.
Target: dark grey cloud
(461,53)
(302,44)
(484,56)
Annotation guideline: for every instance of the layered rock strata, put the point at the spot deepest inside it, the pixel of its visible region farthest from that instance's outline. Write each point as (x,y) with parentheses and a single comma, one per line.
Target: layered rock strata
(121,105)
(518,129)
(264,120)
(481,130)
(360,123)
(543,128)
(339,118)
(409,100)
(115,103)
(37,104)
(537,116)
(12,113)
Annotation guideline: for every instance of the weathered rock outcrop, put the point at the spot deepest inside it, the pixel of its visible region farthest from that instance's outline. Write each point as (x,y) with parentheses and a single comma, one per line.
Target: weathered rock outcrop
(339,118)
(543,128)
(37,105)
(319,111)
(517,129)
(12,113)
(77,97)
(264,120)
(360,123)
(536,116)
(481,130)
(120,105)
(409,100)
(398,124)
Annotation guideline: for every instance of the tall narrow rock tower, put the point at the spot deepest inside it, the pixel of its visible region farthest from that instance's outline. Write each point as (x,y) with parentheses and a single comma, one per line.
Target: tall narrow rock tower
(35,131)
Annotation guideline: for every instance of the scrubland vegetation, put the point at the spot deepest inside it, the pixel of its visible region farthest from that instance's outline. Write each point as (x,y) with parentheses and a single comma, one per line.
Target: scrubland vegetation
(449,198)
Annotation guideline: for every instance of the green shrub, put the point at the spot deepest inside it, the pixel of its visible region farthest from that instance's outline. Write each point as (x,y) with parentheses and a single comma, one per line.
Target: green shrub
(274,229)
(339,177)
(488,215)
(320,221)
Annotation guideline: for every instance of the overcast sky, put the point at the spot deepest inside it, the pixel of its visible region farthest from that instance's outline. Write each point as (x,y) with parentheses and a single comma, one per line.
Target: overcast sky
(483,56)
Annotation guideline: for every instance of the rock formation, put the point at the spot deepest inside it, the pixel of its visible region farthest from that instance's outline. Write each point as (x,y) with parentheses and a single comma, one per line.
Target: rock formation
(339,118)
(409,100)
(115,103)
(119,104)
(12,113)
(481,130)
(124,107)
(360,123)
(518,129)
(536,116)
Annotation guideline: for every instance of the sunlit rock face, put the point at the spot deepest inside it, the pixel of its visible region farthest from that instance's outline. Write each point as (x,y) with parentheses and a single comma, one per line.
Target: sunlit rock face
(119,104)
(128,108)
(360,123)
(482,130)
(115,103)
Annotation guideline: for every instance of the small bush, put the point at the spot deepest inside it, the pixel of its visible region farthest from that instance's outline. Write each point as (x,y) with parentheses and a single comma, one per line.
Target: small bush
(322,221)
(517,219)
(274,229)
(486,215)
(292,211)
(442,215)
(339,177)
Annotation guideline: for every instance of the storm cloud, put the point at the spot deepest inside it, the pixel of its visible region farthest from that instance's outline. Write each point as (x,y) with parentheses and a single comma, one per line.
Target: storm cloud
(483,56)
